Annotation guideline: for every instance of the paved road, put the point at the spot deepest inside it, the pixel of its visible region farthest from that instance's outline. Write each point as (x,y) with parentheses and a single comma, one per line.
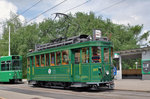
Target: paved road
(23,91)
(133,84)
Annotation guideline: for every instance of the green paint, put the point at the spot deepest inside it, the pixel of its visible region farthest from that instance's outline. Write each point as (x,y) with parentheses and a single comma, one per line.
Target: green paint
(11,72)
(142,66)
(82,72)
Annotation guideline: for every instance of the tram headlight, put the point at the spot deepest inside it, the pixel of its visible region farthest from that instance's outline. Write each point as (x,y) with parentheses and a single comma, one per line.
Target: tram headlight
(107,72)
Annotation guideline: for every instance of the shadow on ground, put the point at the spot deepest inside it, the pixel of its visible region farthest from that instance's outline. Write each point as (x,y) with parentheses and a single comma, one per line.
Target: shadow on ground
(78,89)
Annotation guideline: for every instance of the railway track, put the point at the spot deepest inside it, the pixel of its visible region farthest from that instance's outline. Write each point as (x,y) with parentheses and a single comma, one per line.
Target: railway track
(60,93)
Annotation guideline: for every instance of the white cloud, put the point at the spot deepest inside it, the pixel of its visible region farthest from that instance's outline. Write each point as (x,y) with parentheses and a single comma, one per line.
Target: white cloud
(22,19)
(129,11)
(39,19)
(134,12)
(5,9)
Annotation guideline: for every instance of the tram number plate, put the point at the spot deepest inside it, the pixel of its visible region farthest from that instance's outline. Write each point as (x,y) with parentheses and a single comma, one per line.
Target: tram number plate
(95,69)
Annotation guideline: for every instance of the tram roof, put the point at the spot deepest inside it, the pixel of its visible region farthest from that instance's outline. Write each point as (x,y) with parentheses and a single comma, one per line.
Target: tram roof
(8,57)
(73,46)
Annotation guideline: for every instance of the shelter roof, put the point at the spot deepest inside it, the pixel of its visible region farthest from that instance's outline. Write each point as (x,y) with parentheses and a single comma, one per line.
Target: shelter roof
(133,53)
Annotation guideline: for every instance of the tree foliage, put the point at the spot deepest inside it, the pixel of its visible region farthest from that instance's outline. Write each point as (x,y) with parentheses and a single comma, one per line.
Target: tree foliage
(24,37)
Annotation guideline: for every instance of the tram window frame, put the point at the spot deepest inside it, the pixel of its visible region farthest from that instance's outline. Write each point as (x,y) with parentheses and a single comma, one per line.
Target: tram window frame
(37,62)
(65,59)
(96,54)
(32,60)
(15,64)
(106,59)
(77,56)
(28,62)
(47,59)
(52,59)
(42,60)
(58,58)
(85,55)
(8,64)
(112,54)
(3,67)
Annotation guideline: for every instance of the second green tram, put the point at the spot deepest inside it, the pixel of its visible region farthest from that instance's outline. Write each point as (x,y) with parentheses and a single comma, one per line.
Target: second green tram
(76,62)
(10,68)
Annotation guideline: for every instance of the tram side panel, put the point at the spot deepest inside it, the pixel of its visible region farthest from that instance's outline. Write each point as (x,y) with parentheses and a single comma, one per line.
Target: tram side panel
(85,66)
(10,69)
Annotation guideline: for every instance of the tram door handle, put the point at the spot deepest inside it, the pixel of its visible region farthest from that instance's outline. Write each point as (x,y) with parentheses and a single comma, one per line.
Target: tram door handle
(80,71)
(100,70)
(71,69)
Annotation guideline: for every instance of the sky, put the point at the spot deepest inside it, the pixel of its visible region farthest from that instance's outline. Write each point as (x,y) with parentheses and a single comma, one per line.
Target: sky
(134,12)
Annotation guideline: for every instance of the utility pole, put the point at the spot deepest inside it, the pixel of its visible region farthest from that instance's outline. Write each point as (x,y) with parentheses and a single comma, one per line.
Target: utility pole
(9,40)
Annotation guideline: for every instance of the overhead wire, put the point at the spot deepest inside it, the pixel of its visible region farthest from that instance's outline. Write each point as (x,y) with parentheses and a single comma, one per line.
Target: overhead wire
(31,7)
(66,10)
(111,6)
(77,6)
(72,8)
(98,11)
(47,10)
(24,11)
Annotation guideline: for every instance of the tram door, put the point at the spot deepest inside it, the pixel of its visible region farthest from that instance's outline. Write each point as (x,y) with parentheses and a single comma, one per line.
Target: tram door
(76,66)
(31,67)
(106,62)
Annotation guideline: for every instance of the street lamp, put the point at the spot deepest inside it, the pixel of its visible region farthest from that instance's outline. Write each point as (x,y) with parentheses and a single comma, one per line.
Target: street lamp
(136,63)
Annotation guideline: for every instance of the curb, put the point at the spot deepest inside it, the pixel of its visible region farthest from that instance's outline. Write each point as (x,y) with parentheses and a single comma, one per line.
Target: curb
(132,90)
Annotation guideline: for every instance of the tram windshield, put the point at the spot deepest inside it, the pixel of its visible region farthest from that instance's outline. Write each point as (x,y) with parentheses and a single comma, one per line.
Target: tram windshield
(106,55)
(16,65)
(12,64)
(96,54)
(5,65)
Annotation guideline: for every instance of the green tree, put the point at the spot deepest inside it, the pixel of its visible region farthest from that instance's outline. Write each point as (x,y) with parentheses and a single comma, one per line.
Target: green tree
(25,37)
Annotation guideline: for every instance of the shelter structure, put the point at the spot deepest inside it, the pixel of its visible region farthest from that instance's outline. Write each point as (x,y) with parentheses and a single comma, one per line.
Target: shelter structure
(143,53)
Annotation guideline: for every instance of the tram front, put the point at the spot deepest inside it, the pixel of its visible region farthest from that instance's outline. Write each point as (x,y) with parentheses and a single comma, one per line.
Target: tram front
(17,68)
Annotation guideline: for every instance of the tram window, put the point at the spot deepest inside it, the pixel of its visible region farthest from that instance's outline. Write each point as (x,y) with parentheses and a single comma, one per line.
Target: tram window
(96,55)
(15,64)
(32,60)
(111,55)
(8,65)
(58,59)
(28,62)
(65,59)
(15,57)
(77,56)
(3,66)
(47,59)
(106,54)
(42,60)
(85,55)
(37,61)
(52,59)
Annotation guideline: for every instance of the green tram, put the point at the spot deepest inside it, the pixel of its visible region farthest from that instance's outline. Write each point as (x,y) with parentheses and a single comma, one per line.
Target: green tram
(75,62)
(10,68)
